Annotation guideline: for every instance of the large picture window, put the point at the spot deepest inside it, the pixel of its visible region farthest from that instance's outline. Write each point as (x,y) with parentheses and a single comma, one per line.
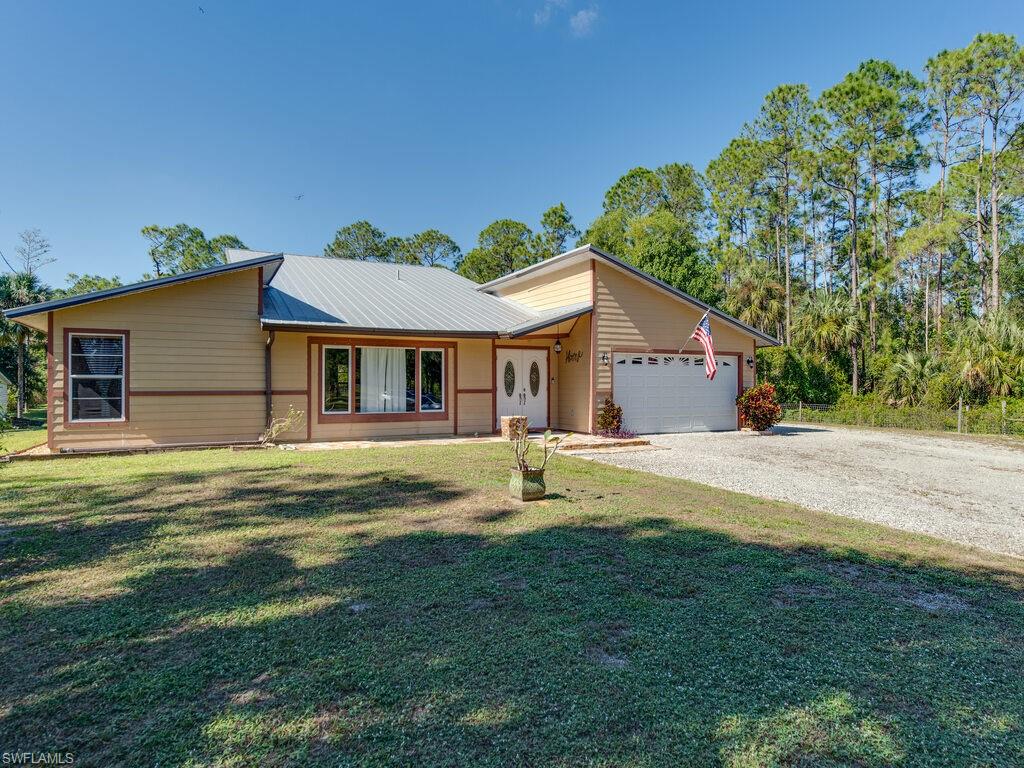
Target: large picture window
(336,379)
(382,380)
(96,377)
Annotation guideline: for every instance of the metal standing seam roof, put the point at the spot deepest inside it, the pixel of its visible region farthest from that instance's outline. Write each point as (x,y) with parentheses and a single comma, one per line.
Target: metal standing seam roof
(377,297)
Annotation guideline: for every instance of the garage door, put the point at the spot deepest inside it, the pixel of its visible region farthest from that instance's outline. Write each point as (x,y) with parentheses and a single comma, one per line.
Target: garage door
(670,393)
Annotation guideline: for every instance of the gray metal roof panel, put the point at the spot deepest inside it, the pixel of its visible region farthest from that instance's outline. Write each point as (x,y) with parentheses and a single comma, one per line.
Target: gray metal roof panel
(314,290)
(550,317)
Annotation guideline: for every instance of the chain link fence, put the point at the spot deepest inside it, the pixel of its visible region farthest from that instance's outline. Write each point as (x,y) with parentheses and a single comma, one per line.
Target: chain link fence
(999,418)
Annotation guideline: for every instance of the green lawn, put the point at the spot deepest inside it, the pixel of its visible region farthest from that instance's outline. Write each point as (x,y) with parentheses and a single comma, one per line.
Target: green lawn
(395,607)
(14,440)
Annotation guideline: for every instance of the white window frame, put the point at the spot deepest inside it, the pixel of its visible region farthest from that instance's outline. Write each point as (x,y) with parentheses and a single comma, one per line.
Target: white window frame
(419,379)
(85,376)
(415,380)
(323,378)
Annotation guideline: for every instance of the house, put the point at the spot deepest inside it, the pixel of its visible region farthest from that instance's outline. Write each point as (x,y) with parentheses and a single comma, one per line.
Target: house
(6,385)
(373,350)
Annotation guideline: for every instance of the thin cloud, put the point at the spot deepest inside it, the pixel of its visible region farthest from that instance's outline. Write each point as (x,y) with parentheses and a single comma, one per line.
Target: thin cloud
(582,22)
(543,14)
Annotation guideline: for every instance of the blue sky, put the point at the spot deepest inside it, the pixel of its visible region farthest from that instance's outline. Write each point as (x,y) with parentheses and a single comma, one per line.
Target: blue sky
(411,115)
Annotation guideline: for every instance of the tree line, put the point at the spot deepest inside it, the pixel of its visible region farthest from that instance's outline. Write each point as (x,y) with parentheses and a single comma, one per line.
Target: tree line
(873,228)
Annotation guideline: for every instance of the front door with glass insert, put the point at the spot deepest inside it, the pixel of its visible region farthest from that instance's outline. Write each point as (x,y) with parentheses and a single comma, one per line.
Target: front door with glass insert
(522,386)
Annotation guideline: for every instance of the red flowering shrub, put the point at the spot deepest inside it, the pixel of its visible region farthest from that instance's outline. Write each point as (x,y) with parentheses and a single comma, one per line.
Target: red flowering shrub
(609,418)
(758,407)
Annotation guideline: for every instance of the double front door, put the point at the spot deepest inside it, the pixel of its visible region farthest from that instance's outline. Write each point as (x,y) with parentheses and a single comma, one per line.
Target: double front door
(522,385)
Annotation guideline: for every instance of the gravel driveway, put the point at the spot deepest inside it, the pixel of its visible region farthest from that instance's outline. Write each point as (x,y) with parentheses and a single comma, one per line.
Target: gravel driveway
(965,490)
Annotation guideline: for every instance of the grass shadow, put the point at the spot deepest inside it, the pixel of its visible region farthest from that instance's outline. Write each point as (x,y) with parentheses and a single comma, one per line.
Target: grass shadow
(366,616)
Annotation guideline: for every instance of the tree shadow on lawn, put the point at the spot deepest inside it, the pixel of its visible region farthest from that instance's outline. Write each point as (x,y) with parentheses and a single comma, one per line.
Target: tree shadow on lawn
(651,643)
(91,522)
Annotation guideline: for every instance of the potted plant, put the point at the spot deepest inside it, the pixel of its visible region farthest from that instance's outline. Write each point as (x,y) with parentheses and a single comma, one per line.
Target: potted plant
(527,483)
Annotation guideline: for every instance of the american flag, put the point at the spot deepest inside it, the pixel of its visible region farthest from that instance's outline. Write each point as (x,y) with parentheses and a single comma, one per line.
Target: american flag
(702,335)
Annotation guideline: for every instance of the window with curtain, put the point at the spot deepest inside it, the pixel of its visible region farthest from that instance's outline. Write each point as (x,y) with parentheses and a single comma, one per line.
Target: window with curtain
(336,380)
(96,378)
(385,380)
(432,380)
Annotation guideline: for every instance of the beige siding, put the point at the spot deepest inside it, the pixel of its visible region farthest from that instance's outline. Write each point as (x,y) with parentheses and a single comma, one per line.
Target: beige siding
(282,405)
(574,362)
(632,314)
(202,335)
(476,362)
(357,430)
(475,411)
(288,360)
(558,288)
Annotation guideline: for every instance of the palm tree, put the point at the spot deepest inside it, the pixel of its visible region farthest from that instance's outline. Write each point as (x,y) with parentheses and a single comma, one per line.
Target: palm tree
(18,289)
(828,323)
(988,354)
(756,297)
(907,379)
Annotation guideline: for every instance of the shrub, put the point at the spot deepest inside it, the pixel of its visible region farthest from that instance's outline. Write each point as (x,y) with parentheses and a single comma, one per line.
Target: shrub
(609,418)
(800,377)
(759,408)
(278,426)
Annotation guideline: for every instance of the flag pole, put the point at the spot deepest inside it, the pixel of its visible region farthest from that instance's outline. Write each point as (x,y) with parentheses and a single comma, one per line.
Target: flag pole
(694,329)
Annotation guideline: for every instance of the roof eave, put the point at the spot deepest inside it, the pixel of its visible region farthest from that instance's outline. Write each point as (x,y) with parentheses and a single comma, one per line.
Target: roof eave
(145,285)
(546,323)
(342,328)
(765,339)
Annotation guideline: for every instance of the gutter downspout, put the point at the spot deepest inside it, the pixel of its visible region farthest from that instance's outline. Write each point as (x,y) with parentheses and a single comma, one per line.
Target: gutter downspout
(268,382)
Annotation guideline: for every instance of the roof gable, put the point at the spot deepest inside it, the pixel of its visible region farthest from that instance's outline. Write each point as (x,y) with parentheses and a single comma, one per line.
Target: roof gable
(590,252)
(265,260)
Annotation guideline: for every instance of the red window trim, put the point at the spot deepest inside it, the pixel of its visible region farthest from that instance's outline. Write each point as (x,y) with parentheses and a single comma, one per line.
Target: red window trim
(316,344)
(126,386)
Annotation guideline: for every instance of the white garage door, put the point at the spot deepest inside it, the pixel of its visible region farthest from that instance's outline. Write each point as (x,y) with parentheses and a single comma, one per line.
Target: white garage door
(670,393)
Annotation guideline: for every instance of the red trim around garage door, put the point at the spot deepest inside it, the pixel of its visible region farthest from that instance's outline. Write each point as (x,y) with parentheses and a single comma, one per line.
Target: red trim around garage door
(683,351)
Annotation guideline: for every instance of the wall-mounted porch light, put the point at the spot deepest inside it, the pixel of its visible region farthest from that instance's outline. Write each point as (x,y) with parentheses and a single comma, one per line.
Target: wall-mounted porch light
(604,358)
(750,362)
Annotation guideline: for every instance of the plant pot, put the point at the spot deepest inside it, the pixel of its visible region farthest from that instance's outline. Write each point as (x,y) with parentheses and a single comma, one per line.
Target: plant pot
(527,485)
